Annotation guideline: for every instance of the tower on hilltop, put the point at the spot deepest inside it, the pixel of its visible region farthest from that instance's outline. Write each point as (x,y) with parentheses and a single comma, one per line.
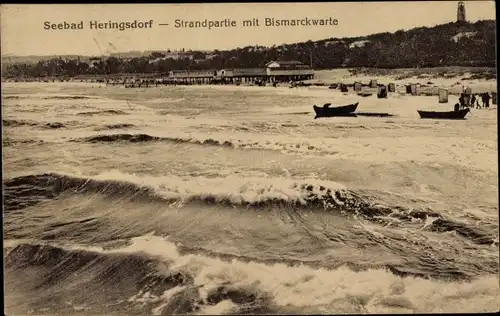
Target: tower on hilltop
(461,12)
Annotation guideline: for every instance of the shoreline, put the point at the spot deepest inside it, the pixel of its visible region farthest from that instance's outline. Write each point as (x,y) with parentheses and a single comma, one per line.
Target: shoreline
(480,72)
(425,87)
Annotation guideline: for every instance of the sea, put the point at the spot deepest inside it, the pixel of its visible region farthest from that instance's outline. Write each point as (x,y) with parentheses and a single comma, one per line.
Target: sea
(235,200)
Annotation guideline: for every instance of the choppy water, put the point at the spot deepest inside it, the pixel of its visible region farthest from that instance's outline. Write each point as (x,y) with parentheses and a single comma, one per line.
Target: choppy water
(175,200)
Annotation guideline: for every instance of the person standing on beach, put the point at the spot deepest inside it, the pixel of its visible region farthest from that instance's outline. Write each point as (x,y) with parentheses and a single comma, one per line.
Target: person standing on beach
(477,102)
(462,100)
(486,99)
(472,100)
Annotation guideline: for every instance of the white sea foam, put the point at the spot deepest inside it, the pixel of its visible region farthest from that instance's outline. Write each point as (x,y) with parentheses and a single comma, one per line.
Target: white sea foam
(465,150)
(236,189)
(275,125)
(378,291)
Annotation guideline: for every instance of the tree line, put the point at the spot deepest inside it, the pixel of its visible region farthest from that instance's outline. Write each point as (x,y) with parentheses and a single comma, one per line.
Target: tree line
(452,44)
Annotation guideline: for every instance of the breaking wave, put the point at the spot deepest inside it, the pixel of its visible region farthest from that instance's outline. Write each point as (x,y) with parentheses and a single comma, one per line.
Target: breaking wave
(16,123)
(114,126)
(257,193)
(70,97)
(10,97)
(47,97)
(147,138)
(103,112)
(151,275)
(6,141)
(254,192)
(241,144)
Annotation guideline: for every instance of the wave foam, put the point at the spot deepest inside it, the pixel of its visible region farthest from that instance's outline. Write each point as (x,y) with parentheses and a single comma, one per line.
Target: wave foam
(232,191)
(165,278)
(299,146)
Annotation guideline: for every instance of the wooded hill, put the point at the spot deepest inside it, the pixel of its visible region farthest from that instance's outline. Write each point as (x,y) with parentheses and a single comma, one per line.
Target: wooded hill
(452,44)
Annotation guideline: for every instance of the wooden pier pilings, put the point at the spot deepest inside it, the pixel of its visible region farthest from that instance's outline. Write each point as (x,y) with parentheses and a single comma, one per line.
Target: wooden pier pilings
(223,76)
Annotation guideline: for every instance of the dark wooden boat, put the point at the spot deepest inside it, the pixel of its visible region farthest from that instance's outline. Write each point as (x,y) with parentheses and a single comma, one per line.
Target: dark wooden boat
(451,115)
(327,111)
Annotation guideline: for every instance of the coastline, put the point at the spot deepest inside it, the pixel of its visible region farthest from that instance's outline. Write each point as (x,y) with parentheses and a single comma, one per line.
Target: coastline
(429,80)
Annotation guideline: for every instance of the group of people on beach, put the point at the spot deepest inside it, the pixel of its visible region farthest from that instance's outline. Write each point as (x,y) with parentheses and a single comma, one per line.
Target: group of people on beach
(471,100)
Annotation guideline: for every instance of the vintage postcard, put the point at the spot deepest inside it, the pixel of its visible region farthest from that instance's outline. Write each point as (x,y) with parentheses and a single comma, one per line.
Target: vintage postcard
(246,158)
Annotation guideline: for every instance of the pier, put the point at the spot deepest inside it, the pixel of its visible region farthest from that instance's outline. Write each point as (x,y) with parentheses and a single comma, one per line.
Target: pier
(274,72)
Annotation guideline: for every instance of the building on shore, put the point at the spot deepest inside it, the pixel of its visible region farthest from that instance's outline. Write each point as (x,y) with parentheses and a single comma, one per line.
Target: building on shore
(241,75)
(288,71)
(191,76)
(274,71)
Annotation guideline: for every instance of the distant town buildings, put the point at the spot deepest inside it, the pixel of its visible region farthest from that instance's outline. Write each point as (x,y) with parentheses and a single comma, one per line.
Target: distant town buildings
(130,54)
(460,35)
(360,43)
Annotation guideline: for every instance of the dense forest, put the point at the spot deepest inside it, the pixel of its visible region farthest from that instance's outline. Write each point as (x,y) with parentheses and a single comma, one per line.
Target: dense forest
(452,44)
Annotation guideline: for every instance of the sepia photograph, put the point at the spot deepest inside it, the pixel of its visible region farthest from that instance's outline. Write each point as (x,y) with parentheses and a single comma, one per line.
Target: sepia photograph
(250,158)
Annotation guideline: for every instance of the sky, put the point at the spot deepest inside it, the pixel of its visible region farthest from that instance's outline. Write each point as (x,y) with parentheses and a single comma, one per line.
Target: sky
(23,33)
